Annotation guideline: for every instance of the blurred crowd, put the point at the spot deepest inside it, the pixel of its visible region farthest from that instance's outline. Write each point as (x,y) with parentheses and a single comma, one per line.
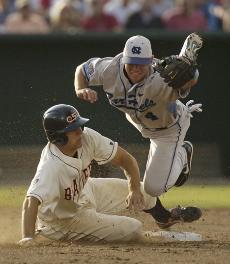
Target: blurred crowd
(48,16)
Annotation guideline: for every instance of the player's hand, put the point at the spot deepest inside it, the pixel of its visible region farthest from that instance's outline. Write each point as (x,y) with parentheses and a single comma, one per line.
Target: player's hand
(191,107)
(26,242)
(135,201)
(87,94)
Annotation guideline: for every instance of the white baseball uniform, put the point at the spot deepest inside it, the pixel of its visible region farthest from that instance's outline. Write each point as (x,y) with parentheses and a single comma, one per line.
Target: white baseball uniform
(154,109)
(75,206)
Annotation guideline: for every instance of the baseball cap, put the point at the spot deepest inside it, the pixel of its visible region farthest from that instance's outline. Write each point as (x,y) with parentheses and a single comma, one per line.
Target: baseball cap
(137,51)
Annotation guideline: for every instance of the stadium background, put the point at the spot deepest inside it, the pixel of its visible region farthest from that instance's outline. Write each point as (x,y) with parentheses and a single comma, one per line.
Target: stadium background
(37,71)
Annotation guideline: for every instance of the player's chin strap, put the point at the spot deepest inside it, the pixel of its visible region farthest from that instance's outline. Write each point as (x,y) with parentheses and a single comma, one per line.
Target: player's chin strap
(190,107)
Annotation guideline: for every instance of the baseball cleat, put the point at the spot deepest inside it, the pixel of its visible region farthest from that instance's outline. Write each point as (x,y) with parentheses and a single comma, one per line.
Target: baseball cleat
(183,177)
(191,46)
(181,215)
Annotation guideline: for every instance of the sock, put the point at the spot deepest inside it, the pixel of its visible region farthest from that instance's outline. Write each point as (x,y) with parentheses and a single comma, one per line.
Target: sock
(159,213)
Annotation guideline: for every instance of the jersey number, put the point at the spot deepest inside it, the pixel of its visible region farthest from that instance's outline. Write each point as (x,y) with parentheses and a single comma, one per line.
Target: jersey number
(151,116)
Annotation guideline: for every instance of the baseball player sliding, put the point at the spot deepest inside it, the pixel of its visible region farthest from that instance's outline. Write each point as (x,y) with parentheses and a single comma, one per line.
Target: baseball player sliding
(147,91)
(69,205)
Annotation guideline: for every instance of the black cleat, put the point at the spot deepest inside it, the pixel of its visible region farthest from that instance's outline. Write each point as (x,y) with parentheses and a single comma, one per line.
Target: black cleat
(183,177)
(181,215)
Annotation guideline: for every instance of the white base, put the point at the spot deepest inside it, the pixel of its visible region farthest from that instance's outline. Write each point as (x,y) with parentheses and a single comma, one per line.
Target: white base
(174,236)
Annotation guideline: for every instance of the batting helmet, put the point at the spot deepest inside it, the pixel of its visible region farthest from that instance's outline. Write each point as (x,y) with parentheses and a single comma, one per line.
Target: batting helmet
(58,120)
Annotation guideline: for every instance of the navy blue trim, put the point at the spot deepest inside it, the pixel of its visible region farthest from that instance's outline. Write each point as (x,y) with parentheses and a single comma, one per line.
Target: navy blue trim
(137,110)
(122,80)
(65,162)
(140,85)
(178,138)
(85,71)
(136,60)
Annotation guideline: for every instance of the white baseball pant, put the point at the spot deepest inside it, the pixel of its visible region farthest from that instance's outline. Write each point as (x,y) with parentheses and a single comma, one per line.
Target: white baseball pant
(167,157)
(94,220)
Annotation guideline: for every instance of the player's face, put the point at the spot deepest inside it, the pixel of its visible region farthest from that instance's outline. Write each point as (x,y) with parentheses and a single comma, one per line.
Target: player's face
(137,72)
(74,138)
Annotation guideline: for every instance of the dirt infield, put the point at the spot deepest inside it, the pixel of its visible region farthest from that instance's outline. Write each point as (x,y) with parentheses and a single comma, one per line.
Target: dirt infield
(215,247)
(18,166)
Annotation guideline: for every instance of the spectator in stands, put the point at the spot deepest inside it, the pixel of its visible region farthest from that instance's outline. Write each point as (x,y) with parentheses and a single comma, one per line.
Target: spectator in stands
(214,23)
(223,13)
(160,6)
(184,17)
(121,9)
(25,21)
(64,17)
(98,20)
(41,6)
(6,7)
(145,18)
(79,5)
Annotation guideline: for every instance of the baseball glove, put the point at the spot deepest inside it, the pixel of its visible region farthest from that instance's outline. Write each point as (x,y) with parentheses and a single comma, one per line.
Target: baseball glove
(176,71)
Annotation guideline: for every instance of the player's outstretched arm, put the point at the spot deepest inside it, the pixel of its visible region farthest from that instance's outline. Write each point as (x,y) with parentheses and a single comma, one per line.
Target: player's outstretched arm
(29,216)
(81,87)
(123,159)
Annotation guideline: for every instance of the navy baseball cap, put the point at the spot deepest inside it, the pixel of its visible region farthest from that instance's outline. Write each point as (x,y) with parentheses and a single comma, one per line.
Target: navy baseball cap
(63,118)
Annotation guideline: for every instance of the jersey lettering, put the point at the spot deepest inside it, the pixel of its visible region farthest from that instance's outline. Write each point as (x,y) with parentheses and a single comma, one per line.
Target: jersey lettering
(86,174)
(68,195)
(75,189)
(147,104)
(131,102)
(151,116)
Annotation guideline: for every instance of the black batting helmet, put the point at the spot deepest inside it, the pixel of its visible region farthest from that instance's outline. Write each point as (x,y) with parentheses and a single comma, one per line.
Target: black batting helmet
(58,120)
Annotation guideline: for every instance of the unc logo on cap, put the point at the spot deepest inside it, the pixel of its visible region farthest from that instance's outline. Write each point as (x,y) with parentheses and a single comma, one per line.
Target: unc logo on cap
(136,50)
(71,118)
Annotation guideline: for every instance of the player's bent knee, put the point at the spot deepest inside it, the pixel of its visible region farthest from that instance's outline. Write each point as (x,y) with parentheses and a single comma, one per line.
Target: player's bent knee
(135,231)
(126,229)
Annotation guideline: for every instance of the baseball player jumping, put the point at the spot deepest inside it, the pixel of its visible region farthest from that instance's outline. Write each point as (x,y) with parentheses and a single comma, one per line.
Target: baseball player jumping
(147,91)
